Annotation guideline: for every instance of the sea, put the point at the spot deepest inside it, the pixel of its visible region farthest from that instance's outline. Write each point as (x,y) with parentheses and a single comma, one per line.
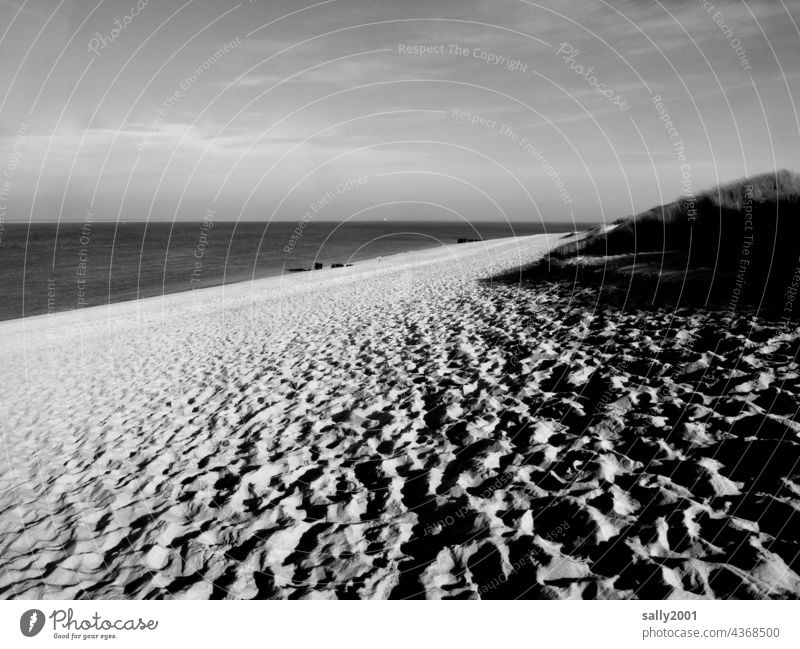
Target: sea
(51,267)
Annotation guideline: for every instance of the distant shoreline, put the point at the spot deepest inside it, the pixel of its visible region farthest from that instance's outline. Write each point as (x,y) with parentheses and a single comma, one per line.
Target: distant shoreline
(50,268)
(247,289)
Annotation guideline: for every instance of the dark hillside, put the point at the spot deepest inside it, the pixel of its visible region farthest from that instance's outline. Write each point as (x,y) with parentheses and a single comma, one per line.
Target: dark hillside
(733,246)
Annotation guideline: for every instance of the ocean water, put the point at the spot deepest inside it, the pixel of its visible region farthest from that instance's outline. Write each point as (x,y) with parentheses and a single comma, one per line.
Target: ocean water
(50,267)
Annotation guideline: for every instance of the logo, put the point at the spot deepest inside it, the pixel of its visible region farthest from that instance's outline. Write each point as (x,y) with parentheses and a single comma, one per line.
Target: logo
(31,622)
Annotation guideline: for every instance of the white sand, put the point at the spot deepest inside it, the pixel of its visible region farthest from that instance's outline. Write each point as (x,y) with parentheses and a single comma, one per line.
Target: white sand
(397,429)
(120,422)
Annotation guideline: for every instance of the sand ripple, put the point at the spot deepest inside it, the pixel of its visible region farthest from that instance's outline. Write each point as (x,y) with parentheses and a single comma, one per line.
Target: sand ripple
(399,431)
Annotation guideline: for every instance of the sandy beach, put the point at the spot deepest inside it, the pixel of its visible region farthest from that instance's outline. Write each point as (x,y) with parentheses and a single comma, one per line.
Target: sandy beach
(397,429)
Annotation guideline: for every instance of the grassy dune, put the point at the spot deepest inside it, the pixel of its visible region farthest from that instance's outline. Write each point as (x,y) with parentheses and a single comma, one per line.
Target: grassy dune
(733,246)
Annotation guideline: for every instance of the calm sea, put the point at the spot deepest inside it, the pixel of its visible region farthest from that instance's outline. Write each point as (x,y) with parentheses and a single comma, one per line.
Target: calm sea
(48,267)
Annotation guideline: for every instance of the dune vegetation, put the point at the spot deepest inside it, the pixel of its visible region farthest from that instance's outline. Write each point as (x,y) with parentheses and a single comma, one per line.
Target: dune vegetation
(733,246)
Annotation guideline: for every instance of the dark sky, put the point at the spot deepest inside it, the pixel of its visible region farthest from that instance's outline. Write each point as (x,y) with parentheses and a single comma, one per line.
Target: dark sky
(260,110)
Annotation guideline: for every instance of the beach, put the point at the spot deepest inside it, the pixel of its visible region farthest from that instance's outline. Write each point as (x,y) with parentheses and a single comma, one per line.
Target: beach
(400,428)
(49,267)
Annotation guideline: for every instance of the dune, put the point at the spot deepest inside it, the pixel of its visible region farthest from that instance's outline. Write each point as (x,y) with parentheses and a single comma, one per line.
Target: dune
(732,247)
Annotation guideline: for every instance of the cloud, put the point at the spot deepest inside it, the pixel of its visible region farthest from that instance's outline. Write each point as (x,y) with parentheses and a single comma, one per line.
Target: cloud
(317,73)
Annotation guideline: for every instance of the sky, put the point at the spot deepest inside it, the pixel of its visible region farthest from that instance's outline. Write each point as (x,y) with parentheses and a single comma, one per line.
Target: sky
(514,110)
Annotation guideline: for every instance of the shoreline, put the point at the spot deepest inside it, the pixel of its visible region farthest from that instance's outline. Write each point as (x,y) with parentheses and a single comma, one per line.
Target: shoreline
(242,290)
(64,267)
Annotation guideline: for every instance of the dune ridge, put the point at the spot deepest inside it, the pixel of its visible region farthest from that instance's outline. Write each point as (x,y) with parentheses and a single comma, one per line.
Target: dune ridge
(733,247)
